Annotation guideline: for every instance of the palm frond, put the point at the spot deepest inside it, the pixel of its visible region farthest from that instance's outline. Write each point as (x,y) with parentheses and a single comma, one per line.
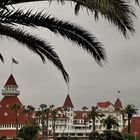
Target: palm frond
(35,44)
(1,58)
(137,2)
(120,12)
(68,30)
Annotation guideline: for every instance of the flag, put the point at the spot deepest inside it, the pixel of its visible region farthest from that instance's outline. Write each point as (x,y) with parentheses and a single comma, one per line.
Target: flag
(14,61)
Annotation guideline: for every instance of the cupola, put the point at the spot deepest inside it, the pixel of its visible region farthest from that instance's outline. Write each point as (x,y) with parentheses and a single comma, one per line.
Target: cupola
(10,88)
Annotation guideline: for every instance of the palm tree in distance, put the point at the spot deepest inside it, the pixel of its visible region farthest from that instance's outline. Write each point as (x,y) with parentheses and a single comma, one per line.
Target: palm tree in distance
(130,110)
(93,115)
(120,13)
(110,121)
(16,108)
(84,108)
(29,111)
(122,111)
(43,115)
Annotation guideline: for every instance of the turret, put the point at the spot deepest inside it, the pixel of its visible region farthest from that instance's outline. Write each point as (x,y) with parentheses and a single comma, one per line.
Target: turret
(10,88)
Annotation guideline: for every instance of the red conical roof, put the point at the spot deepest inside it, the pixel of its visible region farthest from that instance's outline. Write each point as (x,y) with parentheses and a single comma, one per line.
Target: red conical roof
(11,81)
(68,102)
(118,104)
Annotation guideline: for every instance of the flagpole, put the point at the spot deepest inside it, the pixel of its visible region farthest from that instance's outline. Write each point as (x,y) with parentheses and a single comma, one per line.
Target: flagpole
(11,67)
(118,93)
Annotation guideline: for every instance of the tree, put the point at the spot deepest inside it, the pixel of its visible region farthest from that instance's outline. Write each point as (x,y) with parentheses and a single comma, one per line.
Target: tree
(95,136)
(130,110)
(43,113)
(54,117)
(84,108)
(120,13)
(110,121)
(93,115)
(123,113)
(29,132)
(29,111)
(16,107)
(112,135)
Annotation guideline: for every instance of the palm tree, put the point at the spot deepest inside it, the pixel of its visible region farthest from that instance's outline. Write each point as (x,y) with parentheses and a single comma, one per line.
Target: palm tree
(15,108)
(43,115)
(122,111)
(130,110)
(120,13)
(93,115)
(47,111)
(110,121)
(29,111)
(54,113)
(84,108)
(54,117)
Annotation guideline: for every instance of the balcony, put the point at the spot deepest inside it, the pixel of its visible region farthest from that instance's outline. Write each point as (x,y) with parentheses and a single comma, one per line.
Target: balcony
(10,93)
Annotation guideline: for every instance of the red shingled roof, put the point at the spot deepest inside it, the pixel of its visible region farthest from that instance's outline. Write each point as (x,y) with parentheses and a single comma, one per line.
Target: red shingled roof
(68,102)
(118,104)
(7,115)
(11,81)
(135,126)
(104,104)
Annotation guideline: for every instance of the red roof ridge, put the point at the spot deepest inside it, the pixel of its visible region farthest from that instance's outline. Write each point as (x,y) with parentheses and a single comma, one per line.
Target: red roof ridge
(68,102)
(11,81)
(104,104)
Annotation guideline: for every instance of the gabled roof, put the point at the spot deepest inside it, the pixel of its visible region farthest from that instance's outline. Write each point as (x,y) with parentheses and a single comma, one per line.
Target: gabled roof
(104,104)
(11,81)
(135,125)
(118,104)
(68,102)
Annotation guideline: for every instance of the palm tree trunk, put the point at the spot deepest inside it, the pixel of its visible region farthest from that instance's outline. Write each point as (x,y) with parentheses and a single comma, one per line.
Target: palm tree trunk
(129,128)
(42,129)
(16,123)
(54,129)
(93,121)
(46,129)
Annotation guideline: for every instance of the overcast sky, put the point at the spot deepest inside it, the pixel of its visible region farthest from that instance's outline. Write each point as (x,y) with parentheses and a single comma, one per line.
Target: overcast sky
(89,83)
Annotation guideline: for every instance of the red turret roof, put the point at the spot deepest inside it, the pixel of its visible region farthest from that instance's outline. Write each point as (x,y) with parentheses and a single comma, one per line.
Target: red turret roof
(68,102)
(11,81)
(118,104)
(104,104)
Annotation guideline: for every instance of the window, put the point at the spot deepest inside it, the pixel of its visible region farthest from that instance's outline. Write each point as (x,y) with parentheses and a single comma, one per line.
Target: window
(5,114)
